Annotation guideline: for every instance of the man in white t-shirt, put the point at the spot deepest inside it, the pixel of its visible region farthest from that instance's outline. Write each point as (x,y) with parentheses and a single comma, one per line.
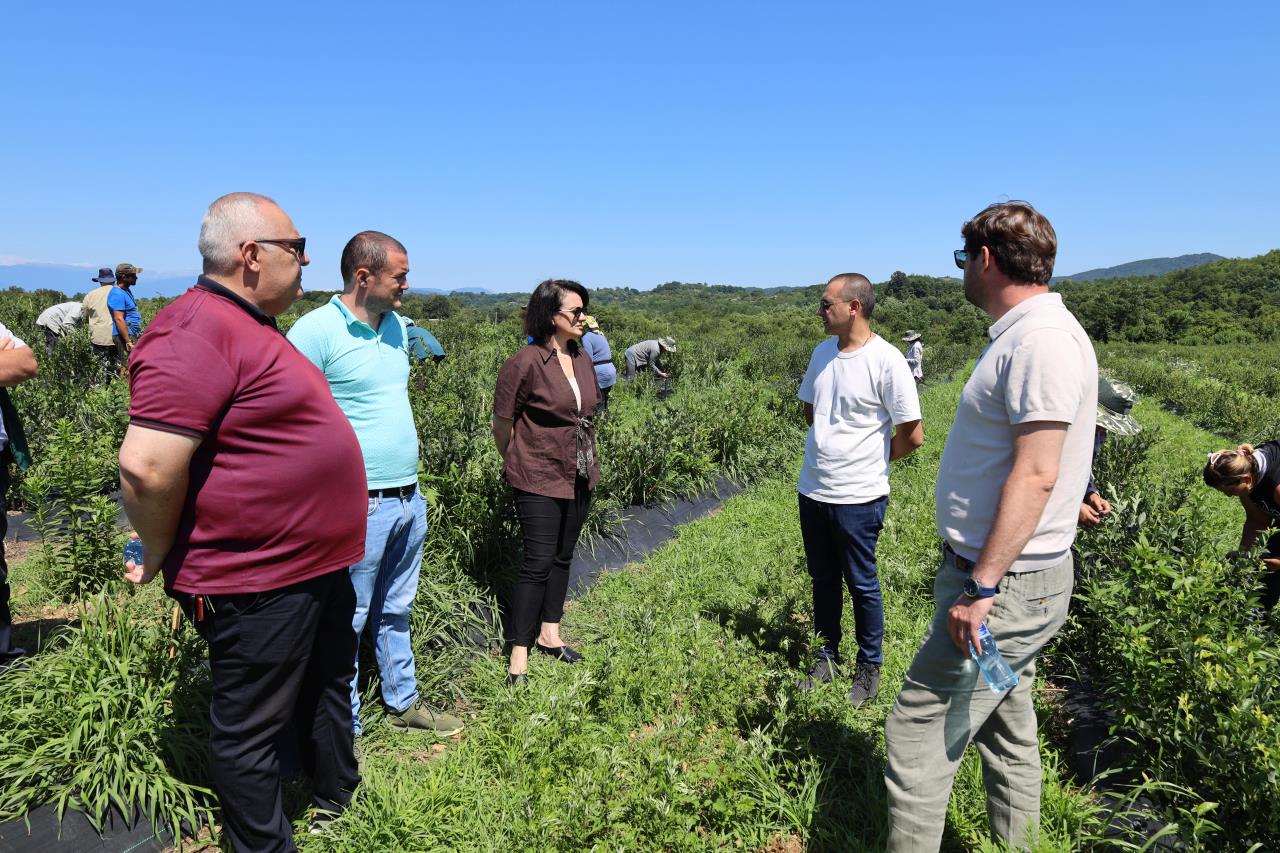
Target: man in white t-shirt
(1015,464)
(860,401)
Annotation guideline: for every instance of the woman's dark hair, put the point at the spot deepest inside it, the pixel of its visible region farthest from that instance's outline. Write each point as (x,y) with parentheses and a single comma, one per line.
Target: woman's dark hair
(540,315)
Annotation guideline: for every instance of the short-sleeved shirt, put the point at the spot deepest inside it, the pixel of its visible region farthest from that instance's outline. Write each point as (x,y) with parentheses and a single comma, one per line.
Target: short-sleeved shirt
(120,299)
(858,398)
(368,373)
(61,317)
(101,327)
(5,335)
(1267,458)
(1039,366)
(276,493)
(645,354)
(535,395)
(597,348)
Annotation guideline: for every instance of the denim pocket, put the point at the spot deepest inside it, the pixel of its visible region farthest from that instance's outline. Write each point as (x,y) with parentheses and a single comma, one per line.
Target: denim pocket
(374,503)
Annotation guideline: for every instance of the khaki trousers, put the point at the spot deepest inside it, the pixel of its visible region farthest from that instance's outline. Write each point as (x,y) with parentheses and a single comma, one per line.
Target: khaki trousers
(945,704)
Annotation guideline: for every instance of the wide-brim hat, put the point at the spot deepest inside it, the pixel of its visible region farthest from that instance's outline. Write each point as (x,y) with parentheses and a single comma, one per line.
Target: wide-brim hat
(667,343)
(912,335)
(105,276)
(1115,402)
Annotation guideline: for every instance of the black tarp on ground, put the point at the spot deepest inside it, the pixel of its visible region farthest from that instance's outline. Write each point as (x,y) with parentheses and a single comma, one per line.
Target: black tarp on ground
(642,531)
(76,835)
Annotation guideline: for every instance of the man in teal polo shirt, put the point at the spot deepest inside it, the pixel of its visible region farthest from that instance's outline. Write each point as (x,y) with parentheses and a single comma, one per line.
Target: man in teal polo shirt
(362,346)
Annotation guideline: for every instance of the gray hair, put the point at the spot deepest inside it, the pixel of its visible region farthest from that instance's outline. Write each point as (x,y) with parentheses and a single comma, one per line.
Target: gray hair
(227,224)
(857,286)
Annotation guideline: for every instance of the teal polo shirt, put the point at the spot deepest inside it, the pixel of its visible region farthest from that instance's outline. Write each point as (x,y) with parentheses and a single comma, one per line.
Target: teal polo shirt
(368,373)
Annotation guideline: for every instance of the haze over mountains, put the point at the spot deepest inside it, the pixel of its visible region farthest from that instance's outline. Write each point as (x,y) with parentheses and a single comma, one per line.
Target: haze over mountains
(1150,266)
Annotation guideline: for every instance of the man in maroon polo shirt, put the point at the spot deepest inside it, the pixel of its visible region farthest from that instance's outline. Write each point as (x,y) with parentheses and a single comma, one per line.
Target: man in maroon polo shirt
(245,483)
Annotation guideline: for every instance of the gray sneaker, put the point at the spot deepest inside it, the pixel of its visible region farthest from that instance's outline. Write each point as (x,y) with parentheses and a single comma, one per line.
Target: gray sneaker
(825,669)
(425,718)
(866,684)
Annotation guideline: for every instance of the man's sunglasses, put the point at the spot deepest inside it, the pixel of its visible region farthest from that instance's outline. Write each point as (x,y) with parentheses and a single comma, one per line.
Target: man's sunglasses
(297,245)
(961,256)
(824,306)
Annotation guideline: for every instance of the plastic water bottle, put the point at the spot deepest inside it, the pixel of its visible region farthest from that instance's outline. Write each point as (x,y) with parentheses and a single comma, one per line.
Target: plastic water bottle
(994,669)
(133,551)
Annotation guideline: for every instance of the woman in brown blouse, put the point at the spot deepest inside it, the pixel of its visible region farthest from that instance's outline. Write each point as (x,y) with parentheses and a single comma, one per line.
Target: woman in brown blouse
(542,425)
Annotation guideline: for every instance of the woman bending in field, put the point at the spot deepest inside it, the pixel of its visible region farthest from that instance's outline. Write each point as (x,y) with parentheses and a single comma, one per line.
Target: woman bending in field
(1252,474)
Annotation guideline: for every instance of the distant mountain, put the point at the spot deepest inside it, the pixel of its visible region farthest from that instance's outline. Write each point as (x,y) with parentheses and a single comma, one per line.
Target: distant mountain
(73,280)
(1151,266)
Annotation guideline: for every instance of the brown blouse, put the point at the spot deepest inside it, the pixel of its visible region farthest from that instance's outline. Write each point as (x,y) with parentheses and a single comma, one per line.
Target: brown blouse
(535,395)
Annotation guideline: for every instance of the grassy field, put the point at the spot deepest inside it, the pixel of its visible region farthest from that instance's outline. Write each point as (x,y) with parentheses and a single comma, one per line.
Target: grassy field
(684,729)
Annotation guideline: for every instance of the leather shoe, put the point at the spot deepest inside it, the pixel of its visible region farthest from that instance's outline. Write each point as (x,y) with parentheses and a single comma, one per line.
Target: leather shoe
(564,653)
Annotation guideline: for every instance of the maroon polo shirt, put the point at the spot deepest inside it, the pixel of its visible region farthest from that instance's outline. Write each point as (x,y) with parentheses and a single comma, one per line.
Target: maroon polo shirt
(277,490)
(534,394)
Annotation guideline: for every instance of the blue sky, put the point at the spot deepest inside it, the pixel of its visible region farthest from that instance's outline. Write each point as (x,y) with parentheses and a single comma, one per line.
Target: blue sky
(631,144)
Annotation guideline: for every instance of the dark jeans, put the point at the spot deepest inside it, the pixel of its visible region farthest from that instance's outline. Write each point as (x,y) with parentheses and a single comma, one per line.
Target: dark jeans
(7,651)
(550,528)
(840,545)
(604,400)
(51,339)
(279,658)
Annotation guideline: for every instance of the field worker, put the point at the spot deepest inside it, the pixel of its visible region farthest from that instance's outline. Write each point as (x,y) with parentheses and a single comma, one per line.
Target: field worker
(542,426)
(17,365)
(646,354)
(915,354)
(126,322)
(245,483)
(597,347)
(1252,474)
(1014,466)
(101,326)
(361,345)
(57,320)
(423,344)
(1115,402)
(862,408)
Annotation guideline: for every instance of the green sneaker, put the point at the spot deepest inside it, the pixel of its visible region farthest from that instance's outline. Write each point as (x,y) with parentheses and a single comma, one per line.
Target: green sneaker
(420,716)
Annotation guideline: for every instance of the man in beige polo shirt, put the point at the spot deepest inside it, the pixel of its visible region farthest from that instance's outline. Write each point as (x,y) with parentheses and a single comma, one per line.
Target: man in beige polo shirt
(98,317)
(1016,461)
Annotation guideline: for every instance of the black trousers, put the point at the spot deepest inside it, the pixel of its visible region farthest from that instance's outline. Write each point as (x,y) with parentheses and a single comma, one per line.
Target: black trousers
(7,651)
(550,528)
(281,657)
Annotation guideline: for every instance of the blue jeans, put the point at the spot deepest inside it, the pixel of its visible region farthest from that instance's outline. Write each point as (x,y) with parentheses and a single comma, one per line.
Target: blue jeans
(386,582)
(840,545)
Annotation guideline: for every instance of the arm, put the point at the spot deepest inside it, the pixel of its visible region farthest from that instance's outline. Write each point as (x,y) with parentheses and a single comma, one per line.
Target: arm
(154,470)
(501,434)
(1037,451)
(907,437)
(17,363)
(1255,521)
(122,327)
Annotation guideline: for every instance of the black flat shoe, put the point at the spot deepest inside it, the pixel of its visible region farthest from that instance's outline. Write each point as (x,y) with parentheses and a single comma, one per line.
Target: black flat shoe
(564,653)
(515,680)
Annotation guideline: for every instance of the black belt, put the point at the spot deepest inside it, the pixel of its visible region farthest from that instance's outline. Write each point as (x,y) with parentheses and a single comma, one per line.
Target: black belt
(396,492)
(961,563)
(603,361)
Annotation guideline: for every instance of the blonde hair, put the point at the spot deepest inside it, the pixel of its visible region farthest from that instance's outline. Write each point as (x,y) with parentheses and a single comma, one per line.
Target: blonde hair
(1229,467)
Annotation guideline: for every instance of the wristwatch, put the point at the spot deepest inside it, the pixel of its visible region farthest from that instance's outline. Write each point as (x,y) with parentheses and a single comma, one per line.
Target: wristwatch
(974,590)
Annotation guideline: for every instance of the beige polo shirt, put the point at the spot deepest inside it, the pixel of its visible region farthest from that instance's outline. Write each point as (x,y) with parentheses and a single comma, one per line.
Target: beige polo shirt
(1039,366)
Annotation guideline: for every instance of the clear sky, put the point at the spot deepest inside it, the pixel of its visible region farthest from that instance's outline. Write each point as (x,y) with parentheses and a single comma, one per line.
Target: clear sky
(628,144)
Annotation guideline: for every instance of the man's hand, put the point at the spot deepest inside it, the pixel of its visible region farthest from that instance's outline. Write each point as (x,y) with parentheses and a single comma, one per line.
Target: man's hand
(964,618)
(139,574)
(1093,509)
(7,344)
(664,375)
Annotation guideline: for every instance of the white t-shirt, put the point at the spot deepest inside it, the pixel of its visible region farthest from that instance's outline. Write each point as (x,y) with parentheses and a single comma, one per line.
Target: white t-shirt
(1039,366)
(858,398)
(5,335)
